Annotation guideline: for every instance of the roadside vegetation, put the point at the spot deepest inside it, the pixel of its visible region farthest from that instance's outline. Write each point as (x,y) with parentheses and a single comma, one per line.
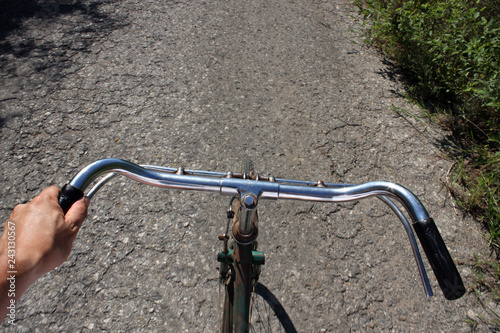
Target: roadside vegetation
(448,52)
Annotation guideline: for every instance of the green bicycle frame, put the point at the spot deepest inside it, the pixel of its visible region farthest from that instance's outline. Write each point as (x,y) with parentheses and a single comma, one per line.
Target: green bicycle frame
(238,291)
(241,260)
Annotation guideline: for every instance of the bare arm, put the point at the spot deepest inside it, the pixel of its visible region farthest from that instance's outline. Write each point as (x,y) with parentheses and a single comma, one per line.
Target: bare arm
(36,238)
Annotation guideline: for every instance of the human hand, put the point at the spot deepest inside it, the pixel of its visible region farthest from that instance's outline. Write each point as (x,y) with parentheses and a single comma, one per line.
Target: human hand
(43,237)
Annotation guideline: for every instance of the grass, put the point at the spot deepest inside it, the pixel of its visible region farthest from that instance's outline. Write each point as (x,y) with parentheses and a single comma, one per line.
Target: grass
(448,53)
(475,184)
(487,274)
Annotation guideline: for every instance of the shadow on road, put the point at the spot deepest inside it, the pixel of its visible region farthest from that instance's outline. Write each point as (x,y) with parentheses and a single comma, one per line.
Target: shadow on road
(14,12)
(276,306)
(50,31)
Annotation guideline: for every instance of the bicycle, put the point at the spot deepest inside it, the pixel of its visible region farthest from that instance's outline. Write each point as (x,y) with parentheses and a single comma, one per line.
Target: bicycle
(240,262)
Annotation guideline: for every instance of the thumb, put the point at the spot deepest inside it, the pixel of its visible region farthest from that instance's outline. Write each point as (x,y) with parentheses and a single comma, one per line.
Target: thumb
(77,213)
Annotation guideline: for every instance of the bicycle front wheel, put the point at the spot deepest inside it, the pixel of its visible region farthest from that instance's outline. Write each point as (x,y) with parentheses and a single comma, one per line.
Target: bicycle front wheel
(267,313)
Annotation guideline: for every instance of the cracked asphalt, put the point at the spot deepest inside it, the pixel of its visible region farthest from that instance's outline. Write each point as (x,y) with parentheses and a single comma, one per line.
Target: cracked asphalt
(201,84)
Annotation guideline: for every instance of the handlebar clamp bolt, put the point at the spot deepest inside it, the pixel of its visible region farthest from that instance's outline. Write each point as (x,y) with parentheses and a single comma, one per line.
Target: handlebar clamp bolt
(249,201)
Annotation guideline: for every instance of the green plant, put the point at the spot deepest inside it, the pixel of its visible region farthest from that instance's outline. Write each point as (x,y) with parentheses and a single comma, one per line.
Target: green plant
(448,52)
(476,186)
(487,274)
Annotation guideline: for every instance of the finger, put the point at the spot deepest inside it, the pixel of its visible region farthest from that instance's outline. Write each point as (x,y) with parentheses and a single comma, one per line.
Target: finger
(77,213)
(49,195)
(51,192)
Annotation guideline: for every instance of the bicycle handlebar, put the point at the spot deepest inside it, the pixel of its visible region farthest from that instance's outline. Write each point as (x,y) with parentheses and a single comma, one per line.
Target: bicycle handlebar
(272,188)
(441,262)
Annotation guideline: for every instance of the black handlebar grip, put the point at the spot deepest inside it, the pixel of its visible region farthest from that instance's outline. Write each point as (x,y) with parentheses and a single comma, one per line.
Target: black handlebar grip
(441,262)
(69,195)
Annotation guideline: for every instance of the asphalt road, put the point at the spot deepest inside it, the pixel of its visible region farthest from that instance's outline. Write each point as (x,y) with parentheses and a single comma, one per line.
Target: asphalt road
(201,84)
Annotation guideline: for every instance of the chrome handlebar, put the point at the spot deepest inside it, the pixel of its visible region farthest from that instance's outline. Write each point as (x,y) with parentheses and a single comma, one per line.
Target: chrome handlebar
(262,188)
(251,190)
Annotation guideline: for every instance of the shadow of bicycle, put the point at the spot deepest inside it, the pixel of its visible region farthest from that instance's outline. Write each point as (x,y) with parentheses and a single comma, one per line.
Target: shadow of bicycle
(277,313)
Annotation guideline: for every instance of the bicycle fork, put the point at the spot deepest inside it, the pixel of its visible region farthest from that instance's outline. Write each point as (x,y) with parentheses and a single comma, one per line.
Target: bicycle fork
(238,289)
(240,268)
